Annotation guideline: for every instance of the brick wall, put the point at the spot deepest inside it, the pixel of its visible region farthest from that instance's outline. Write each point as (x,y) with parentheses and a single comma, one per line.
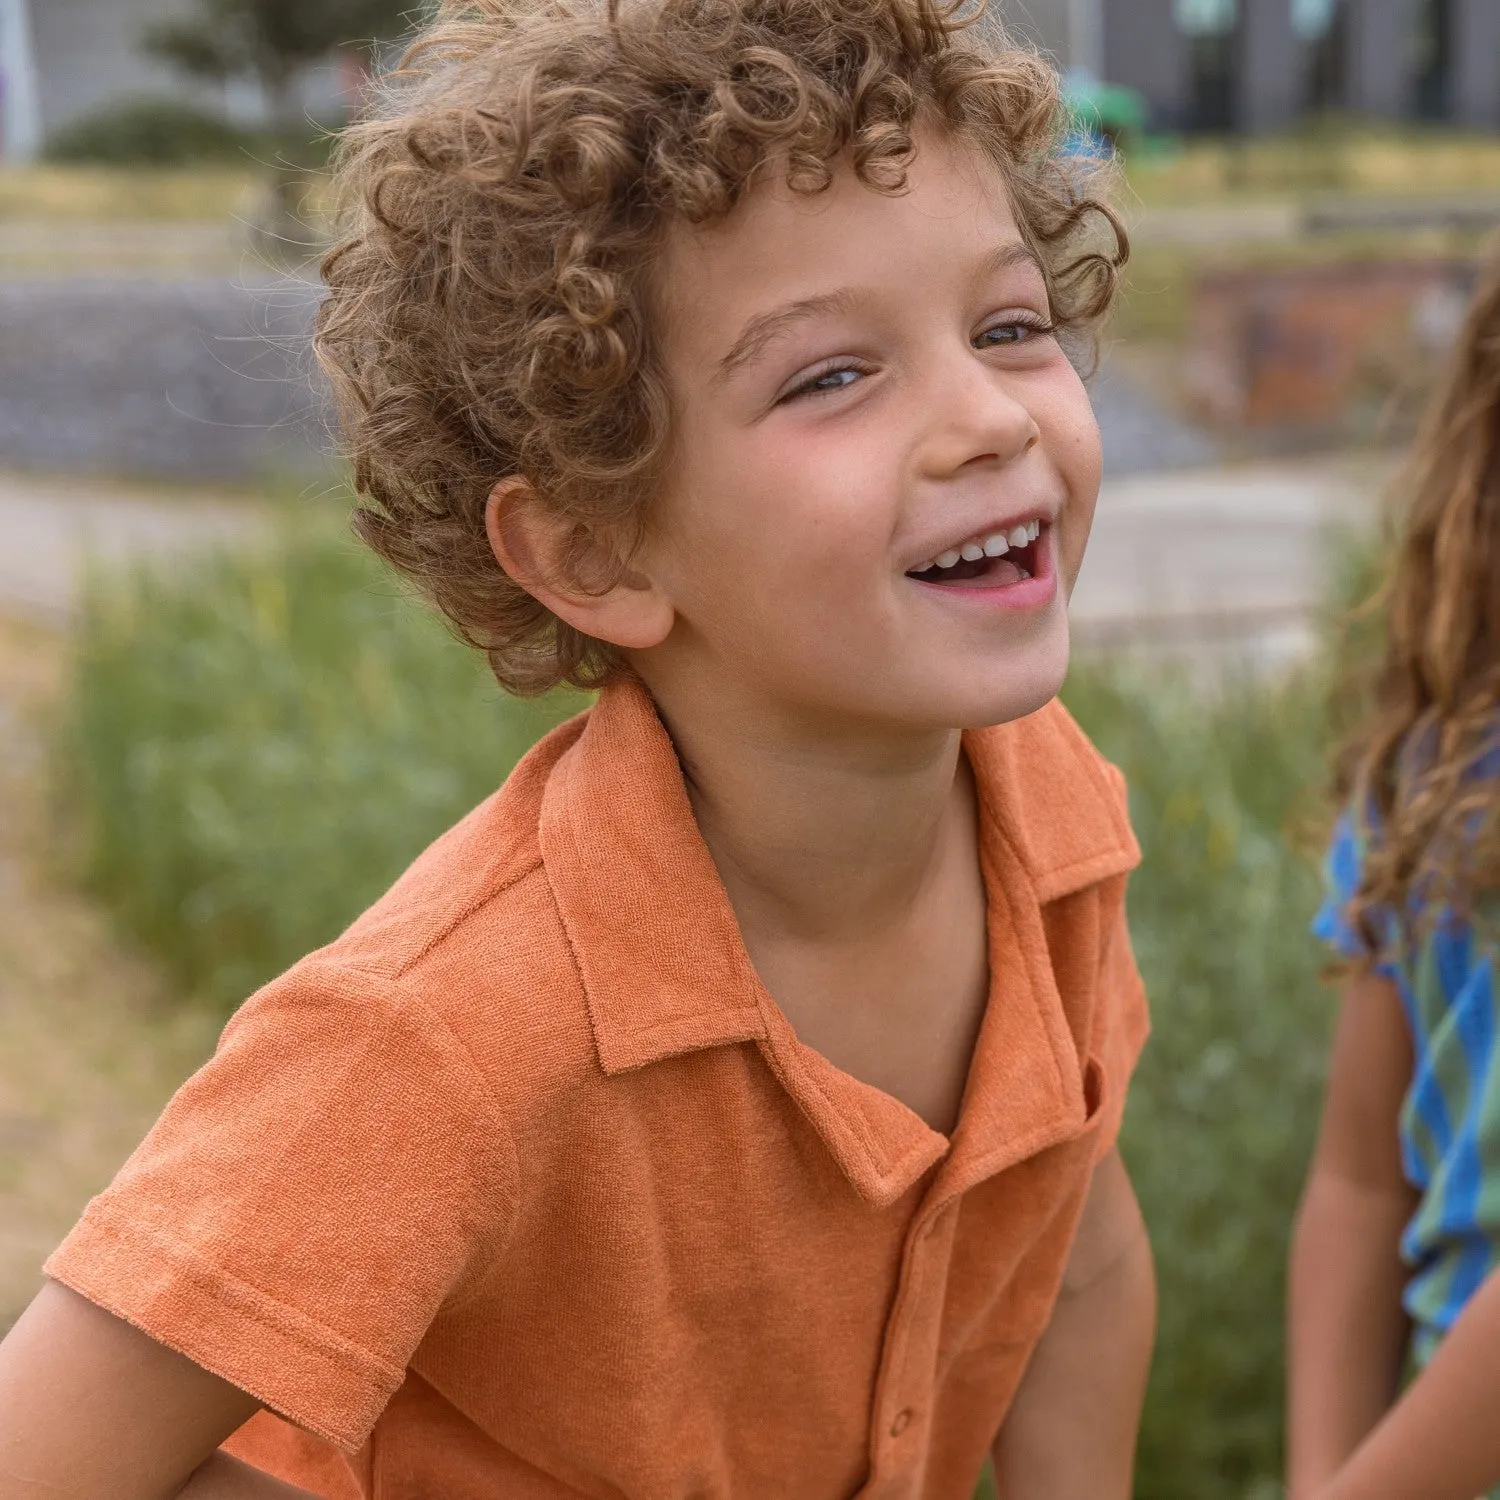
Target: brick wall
(1323,351)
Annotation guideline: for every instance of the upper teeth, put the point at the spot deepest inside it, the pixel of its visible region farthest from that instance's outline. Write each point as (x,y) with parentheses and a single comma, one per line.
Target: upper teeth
(997,544)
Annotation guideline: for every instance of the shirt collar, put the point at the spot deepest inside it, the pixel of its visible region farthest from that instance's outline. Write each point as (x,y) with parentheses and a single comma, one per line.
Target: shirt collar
(663,965)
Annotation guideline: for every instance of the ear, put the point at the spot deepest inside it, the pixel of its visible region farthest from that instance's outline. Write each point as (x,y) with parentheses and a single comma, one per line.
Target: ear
(540,550)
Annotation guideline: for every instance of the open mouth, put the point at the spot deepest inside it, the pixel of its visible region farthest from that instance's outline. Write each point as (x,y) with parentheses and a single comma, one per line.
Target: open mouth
(996,559)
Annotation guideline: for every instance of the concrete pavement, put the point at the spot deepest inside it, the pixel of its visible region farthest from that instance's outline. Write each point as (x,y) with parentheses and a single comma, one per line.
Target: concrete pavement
(51,528)
(1228,559)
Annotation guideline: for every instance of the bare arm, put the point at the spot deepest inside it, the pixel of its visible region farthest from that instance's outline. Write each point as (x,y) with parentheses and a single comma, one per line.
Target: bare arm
(92,1409)
(1440,1441)
(1347,1330)
(1071,1431)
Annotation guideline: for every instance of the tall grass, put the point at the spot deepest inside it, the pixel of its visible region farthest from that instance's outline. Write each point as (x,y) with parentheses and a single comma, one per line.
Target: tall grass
(67,194)
(258,745)
(1224,1105)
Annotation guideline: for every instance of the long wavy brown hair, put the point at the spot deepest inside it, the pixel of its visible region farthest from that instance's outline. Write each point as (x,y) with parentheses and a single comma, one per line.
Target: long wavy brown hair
(489,308)
(1409,772)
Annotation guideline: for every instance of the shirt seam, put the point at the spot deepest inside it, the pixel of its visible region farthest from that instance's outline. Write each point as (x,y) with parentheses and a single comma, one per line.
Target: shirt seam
(860,1130)
(465,912)
(399,996)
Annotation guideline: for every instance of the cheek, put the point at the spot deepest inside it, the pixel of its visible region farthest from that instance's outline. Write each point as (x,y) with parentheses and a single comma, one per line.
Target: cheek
(780,512)
(1079,457)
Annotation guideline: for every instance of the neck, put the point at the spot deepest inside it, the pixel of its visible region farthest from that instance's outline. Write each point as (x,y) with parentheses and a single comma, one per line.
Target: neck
(819,829)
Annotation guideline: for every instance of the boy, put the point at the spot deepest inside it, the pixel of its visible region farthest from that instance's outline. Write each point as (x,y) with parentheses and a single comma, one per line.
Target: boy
(727,1107)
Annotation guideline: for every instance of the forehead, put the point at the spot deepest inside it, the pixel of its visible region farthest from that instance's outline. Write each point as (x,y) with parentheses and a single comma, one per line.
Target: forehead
(783,246)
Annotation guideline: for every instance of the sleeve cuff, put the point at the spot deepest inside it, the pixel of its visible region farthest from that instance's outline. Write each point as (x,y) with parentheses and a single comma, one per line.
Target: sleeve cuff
(299,1369)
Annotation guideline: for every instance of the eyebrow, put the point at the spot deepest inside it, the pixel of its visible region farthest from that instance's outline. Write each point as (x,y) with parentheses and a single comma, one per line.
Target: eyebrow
(1008,257)
(766,328)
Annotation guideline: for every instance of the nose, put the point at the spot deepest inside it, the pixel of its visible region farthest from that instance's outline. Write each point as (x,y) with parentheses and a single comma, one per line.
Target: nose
(975,415)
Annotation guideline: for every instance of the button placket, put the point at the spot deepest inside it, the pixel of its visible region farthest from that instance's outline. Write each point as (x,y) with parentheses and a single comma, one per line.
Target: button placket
(908,1370)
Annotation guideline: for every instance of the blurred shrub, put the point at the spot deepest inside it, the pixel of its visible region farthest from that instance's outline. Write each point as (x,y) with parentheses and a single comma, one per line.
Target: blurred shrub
(259,744)
(148,132)
(151,132)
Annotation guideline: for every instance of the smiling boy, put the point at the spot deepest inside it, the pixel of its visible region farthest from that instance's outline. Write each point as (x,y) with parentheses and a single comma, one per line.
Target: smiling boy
(728,1106)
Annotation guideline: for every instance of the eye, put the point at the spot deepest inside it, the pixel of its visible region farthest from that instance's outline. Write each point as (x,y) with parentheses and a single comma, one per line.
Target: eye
(1012,330)
(824,382)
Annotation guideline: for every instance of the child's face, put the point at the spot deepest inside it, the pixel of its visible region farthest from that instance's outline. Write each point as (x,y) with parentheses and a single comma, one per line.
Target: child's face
(863,385)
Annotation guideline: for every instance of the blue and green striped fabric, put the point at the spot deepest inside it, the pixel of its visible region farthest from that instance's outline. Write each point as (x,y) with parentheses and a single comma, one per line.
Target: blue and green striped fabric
(1450,1119)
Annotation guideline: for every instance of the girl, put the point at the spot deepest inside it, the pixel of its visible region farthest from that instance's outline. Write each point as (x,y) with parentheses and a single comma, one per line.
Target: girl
(1399,1227)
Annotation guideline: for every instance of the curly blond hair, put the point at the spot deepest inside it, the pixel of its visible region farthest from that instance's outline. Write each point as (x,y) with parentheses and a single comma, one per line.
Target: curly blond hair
(1417,769)
(488,309)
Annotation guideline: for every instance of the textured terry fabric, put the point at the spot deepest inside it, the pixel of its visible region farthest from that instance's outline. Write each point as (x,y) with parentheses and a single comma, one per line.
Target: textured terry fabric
(524,1186)
(1450,1117)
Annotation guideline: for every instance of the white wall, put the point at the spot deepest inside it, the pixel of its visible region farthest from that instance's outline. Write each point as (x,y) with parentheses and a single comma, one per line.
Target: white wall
(20,107)
(1071,32)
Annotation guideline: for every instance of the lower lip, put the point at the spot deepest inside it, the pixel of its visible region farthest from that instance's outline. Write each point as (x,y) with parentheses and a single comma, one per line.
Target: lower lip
(1031,593)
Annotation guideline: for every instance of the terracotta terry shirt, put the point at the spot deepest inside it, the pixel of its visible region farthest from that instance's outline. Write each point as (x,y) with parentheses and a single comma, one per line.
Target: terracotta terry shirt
(523,1189)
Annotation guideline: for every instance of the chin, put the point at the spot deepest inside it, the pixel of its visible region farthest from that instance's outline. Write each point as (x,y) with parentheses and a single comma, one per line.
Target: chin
(1024,682)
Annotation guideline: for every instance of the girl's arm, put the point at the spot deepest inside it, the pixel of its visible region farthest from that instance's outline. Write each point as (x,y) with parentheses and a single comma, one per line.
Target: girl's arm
(1347,1331)
(1441,1440)
(93,1409)
(1071,1431)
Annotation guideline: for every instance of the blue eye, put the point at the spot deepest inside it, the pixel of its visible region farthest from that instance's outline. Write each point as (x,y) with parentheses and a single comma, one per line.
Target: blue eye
(825,382)
(1017,331)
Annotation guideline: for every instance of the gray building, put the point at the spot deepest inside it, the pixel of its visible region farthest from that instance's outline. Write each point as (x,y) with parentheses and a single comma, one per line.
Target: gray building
(1256,65)
(63,59)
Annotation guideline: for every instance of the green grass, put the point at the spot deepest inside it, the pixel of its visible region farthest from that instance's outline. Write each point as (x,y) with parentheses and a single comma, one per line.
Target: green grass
(256,748)
(1356,157)
(49,193)
(1223,1109)
(258,745)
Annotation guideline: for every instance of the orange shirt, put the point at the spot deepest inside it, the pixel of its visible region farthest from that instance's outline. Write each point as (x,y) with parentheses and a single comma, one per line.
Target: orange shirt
(525,1188)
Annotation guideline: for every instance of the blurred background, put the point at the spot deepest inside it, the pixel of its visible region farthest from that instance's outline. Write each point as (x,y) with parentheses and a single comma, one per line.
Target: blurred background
(222,731)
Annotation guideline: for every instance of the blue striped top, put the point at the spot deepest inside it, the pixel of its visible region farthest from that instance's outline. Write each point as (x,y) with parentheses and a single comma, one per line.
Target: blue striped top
(1450,1117)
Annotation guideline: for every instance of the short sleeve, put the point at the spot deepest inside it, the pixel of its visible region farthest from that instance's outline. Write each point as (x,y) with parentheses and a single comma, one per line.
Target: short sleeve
(1342,870)
(1122,1026)
(308,1201)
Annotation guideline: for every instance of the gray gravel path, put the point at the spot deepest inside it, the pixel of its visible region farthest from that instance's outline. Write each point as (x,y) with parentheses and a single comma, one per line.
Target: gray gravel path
(199,379)
(1221,562)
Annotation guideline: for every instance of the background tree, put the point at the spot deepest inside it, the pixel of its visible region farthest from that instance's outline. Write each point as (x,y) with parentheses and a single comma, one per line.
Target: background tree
(273,41)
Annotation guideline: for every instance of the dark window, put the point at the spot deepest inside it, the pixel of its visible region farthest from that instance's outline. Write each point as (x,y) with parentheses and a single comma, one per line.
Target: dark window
(1433,59)
(1212,28)
(1327,33)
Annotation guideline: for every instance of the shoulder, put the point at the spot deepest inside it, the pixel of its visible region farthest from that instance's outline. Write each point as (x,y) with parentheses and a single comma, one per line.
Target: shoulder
(1058,802)
(467,944)
(475,875)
